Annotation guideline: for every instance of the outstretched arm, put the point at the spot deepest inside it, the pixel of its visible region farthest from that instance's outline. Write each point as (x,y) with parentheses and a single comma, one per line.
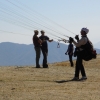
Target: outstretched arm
(50,40)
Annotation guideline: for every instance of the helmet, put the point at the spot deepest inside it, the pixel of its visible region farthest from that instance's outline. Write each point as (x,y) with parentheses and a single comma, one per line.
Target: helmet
(85,30)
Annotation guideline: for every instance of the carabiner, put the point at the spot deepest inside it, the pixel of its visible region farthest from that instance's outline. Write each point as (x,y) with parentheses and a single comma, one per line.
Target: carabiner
(58,46)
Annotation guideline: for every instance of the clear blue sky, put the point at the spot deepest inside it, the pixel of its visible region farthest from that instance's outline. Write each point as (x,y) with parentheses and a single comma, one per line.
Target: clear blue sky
(18,19)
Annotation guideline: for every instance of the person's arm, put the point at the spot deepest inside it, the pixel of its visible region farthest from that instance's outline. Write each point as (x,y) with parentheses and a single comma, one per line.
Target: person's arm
(33,39)
(80,42)
(50,40)
(47,38)
(39,41)
(67,50)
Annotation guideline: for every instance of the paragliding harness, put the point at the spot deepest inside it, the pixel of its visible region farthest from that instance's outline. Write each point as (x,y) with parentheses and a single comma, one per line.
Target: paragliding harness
(87,52)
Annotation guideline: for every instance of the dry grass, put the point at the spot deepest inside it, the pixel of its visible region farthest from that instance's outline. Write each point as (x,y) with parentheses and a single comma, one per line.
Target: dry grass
(29,83)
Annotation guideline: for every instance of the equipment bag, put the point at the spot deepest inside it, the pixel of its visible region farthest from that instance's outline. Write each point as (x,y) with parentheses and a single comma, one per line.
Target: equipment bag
(88,52)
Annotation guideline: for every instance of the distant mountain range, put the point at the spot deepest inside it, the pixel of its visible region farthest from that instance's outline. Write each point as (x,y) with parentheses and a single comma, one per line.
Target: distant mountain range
(21,54)
(13,54)
(97,45)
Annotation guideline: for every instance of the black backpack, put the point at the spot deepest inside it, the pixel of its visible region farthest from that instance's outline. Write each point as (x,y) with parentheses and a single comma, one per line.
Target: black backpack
(87,53)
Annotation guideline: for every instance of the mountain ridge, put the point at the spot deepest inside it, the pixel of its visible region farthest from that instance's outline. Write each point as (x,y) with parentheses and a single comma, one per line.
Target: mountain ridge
(14,54)
(97,45)
(22,54)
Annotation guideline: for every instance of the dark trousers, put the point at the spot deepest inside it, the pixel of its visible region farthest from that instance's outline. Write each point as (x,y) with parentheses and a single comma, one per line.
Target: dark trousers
(38,52)
(45,53)
(79,66)
(70,59)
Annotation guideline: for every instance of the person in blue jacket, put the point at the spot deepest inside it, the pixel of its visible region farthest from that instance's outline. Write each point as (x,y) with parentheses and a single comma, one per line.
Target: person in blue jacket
(70,52)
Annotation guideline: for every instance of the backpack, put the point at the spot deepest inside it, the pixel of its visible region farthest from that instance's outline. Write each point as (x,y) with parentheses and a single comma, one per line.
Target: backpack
(88,51)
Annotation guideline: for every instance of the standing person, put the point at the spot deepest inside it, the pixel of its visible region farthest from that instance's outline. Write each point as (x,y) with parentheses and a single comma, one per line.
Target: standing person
(37,43)
(80,51)
(70,52)
(44,48)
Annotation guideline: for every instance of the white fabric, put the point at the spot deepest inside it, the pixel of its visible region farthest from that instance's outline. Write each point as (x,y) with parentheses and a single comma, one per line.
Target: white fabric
(85,29)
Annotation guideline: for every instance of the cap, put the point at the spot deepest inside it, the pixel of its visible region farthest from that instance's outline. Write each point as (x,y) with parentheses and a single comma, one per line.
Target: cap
(35,31)
(85,30)
(42,31)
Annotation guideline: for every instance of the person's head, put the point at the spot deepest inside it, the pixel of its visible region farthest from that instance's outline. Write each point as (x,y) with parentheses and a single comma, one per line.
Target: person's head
(36,32)
(42,32)
(84,31)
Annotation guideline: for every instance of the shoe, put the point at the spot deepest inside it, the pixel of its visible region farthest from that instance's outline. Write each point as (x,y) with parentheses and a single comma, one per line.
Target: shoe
(75,79)
(38,67)
(84,78)
(45,66)
(72,65)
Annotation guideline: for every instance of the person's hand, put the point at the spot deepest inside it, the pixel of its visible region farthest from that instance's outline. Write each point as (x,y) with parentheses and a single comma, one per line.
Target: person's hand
(71,39)
(65,53)
(77,37)
(64,40)
(50,40)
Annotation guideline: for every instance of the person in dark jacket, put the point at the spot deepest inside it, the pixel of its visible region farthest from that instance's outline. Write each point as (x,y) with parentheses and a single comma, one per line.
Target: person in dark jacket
(70,52)
(37,43)
(44,47)
(79,65)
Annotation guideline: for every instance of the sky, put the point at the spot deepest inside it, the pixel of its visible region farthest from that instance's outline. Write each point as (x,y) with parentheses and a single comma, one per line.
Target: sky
(58,18)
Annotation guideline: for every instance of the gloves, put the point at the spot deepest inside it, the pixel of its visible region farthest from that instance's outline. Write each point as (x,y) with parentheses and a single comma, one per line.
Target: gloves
(70,39)
(76,37)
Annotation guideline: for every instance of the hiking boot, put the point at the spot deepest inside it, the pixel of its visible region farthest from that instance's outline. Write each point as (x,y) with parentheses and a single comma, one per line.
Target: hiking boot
(84,78)
(38,67)
(45,66)
(75,79)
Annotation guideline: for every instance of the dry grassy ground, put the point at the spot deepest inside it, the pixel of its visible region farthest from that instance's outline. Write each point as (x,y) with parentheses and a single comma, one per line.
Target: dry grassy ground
(29,83)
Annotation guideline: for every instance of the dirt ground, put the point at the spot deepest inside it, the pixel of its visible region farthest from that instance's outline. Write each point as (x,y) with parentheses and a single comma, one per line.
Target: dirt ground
(53,83)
